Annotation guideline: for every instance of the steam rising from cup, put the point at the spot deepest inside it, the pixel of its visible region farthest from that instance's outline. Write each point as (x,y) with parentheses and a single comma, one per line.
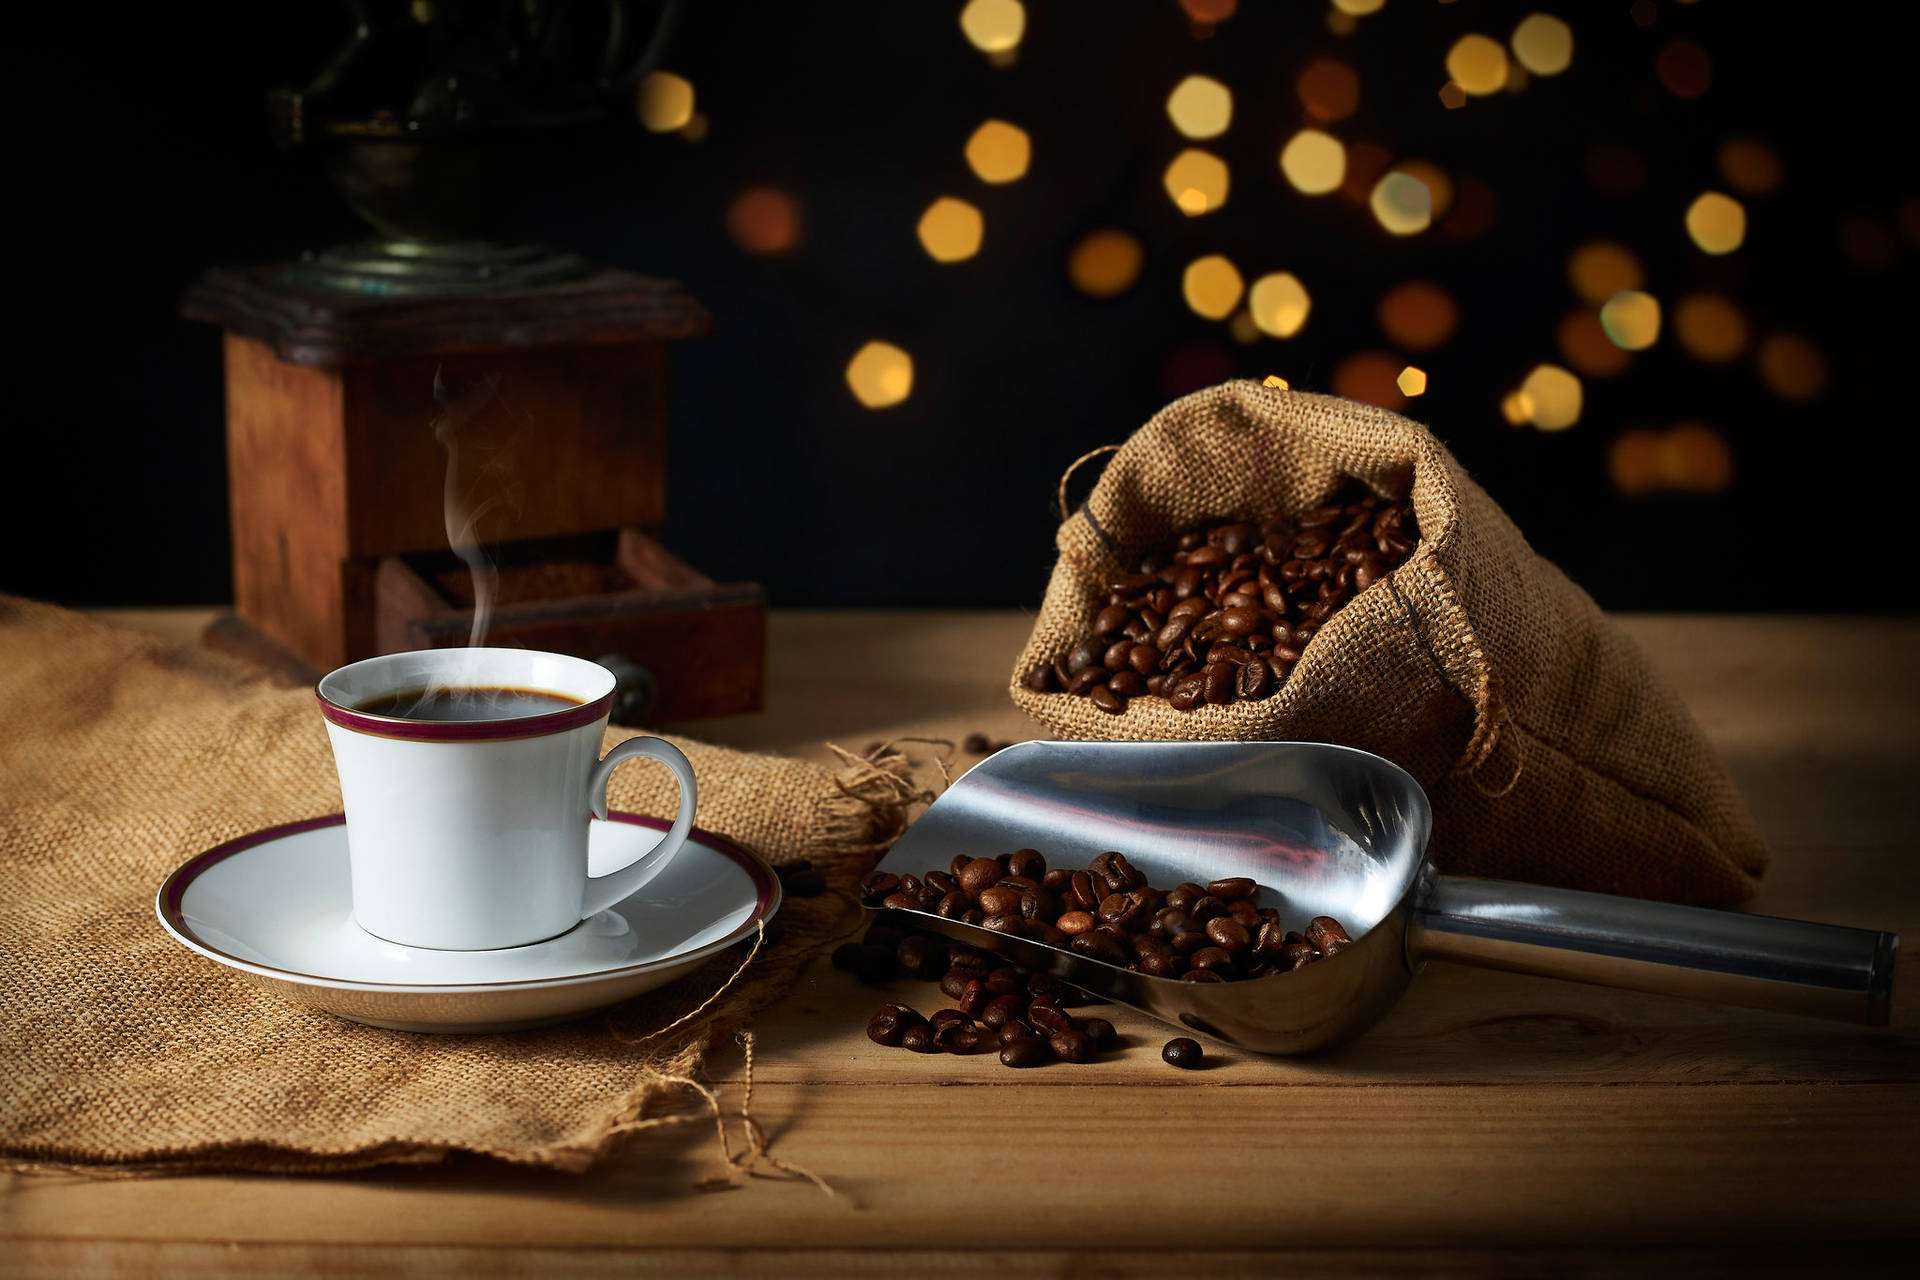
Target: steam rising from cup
(463,521)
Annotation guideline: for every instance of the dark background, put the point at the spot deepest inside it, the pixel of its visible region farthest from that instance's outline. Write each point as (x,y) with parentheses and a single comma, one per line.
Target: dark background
(158,163)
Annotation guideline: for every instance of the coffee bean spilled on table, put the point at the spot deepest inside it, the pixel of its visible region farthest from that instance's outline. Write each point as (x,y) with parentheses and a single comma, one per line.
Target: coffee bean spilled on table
(1105,911)
(1223,614)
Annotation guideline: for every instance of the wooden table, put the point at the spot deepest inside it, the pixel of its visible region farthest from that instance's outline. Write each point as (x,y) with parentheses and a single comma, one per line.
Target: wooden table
(1491,1123)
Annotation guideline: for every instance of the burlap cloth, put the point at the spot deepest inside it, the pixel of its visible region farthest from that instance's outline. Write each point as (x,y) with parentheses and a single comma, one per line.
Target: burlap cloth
(1551,750)
(122,755)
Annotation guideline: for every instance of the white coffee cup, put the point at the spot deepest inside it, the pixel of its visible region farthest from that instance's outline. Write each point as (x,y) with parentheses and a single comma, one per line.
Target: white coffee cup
(471,834)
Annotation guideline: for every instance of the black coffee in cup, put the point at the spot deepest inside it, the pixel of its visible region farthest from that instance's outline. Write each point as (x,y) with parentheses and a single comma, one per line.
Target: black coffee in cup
(467,702)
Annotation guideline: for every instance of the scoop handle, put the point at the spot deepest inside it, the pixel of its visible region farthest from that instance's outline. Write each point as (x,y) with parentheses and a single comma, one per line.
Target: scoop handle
(1762,962)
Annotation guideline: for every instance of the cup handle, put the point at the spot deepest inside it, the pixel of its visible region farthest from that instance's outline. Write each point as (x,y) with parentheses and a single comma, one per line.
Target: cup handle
(604,891)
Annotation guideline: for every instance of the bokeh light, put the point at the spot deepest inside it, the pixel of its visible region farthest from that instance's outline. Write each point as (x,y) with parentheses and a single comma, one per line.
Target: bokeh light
(1631,319)
(1750,167)
(1516,408)
(1430,175)
(950,230)
(1210,10)
(1689,458)
(1401,203)
(1685,69)
(1372,376)
(1553,397)
(695,129)
(1200,107)
(1478,64)
(1196,182)
(993,26)
(1717,222)
(999,152)
(1359,8)
(1412,381)
(1243,328)
(1543,44)
(1314,162)
(1418,315)
(1600,268)
(1710,328)
(1452,96)
(1278,304)
(664,101)
(1329,90)
(1212,286)
(1584,345)
(880,375)
(764,220)
(1792,367)
(1105,262)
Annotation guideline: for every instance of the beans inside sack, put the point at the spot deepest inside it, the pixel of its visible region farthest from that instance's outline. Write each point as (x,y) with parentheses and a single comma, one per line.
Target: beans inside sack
(1223,614)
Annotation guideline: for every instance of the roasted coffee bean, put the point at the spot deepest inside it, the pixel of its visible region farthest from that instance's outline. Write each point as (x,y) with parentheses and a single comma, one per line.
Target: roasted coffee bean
(1217,958)
(1244,912)
(941,1017)
(1059,880)
(898,901)
(1042,680)
(1111,619)
(1099,946)
(1206,908)
(1040,931)
(1115,656)
(1045,984)
(1128,684)
(974,998)
(920,958)
(953,905)
(1005,922)
(876,886)
(954,983)
(1027,1051)
(1001,1009)
(1221,687)
(1087,654)
(1185,894)
(919,1039)
(1085,892)
(1229,936)
(1188,692)
(971,961)
(1202,975)
(1108,701)
(1101,1032)
(1160,964)
(997,901)
(1188,942)
(1120,909)
(1326,934)
(970,1040)
(1014,1031)
(979,874)
(1028,863)
(890,1022)
(942,881)
(1092,678)
(1254,682)
(1181,1052)
(1268,941)
(1071,1046)
(1074,922)
(1045,1014)
(1298,954)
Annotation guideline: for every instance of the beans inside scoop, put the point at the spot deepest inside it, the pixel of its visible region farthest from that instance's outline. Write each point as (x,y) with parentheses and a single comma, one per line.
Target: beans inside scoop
(1106,911)
(1223,613)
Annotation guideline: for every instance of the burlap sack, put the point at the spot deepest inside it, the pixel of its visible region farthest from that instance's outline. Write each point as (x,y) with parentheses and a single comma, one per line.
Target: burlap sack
(121,756)
(1551,751)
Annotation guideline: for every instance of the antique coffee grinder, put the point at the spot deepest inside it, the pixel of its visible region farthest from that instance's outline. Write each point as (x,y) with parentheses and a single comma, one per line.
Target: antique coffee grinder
(437,400)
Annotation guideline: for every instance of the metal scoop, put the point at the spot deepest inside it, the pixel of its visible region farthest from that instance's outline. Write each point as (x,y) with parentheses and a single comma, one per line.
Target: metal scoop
(1328,830)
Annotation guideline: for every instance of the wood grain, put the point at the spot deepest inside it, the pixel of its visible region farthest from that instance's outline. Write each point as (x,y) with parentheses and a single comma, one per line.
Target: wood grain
(1492,1124)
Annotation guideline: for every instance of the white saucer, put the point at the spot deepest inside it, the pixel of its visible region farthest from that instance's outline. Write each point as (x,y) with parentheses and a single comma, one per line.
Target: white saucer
(276,907)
